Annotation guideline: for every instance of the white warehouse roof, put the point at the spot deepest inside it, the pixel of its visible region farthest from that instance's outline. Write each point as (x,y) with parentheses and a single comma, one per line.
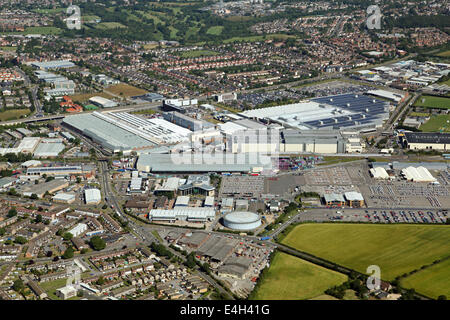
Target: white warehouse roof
(420,174)
(379,173)
(92,195)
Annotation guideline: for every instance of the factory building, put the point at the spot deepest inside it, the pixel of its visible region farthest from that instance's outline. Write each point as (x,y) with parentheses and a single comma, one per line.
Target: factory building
(121,131)
(426,141)
(184,121)
(54,64)
(102,102)
(242,220)
(27,145)
(332,113)
(419,174)
(42,188)
(203,163)
(63,197)
(92,196)
(55,171)
(191,214)
(197,185)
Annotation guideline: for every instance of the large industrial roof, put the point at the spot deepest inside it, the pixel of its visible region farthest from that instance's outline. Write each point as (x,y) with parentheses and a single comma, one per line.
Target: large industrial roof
(339,111)
(419,174)
(202,162)
(242,217)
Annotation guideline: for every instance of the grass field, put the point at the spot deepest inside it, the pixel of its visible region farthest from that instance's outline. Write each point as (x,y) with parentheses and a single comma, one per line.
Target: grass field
(433,102)
(110,25)
(216,30)
(198,53)
(432,281)
(259,38)
(125,90)
(83,97)
(43,30)
(51,286)
(8,48)
(444,54)
(437,124)
(396,249)
(13,114)
(291,278)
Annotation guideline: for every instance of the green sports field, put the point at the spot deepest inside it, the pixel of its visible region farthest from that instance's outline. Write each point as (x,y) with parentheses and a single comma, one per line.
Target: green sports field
(432,281)
(432,102)
(440,123)
(396,249)
(291,278)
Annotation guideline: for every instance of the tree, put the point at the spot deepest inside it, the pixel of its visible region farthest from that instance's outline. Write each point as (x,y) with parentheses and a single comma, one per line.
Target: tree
(442,297)
(38,218)
(34,196)
(100,281)
(68,253)
(20,240)
(97,243)
(12,212)
(67,236)
(2,232)
(18,285)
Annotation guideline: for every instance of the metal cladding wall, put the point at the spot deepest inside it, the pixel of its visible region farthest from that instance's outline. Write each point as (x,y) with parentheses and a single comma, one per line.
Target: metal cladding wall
(242,220)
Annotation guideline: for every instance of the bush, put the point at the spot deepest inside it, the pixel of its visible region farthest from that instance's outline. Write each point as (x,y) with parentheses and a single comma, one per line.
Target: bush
(97,243)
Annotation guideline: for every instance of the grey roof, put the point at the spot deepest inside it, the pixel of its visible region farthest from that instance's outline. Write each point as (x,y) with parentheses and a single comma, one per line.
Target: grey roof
(201,162)
(427,137)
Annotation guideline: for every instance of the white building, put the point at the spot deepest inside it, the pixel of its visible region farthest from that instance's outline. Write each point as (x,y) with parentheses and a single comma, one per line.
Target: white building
(92,196)
(78,229)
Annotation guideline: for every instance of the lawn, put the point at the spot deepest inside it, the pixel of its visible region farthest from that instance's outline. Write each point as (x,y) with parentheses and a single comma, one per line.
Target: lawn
(433,102)
(13,114)
(8,48)
(216,30)
(110,25)
(439,123)
(291,278)
(444,54)
(396,249)
(125,90)
(51,286)
(83,97)
(43,30)
(432,281)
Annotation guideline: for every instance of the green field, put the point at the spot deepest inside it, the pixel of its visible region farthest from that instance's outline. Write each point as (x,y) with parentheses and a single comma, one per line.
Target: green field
(432,281)
(43,30)
(216,30)
(259,38)
(110,25)
(397,249)
(8,48)
(13,114)
(291,278)
(433,102)
(439,123)
(444,54)
(51,286)
(198,53)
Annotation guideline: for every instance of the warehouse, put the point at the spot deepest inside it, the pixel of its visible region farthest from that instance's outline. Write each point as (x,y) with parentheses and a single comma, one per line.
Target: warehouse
(63,197)
(182,201)
(42,188)
(379,173)
(54,64)
(102,102)
(49,148)
(332,112)
(426,141)
(121,131)
(27,145)
(197,163)
(312,141)
(242,220)
(185,121)
(191,214)
(55,171)
(92,196)
(235,267)
(419,174)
